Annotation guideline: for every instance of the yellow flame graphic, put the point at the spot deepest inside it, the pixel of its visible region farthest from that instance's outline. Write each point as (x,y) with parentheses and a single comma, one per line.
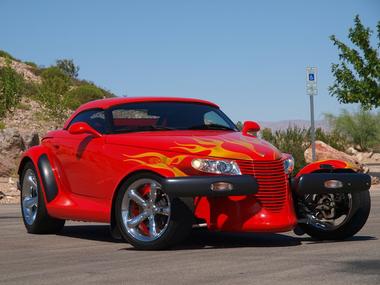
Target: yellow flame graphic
(158,161)
(216,149)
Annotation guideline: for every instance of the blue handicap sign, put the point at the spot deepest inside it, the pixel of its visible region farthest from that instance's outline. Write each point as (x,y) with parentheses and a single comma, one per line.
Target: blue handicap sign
(311,77)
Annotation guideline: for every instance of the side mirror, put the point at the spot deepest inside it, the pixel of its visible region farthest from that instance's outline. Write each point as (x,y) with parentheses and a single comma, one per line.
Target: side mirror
(250,127)
(83,128)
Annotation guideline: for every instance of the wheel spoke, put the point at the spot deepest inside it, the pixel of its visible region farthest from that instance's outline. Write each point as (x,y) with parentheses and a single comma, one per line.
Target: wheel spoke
(29,202)
(152,226)
(31,180)
(153,193)
(137,198)
(163,211)
(135,221)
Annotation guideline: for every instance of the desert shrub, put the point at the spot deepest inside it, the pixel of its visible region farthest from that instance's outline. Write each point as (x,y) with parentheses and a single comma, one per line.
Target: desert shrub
(31,64)
(361,128)
(292,140)
(68,67)
(83,94)
(295,140)
(51,93)
(239,125)
(6,55)
(11,88)
(2,125)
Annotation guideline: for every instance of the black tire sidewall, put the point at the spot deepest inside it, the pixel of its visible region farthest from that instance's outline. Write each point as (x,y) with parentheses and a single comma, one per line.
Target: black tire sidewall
(361,206)
(43,223)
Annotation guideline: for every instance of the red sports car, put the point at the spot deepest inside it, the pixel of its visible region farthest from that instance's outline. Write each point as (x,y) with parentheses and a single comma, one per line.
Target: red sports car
(153,168)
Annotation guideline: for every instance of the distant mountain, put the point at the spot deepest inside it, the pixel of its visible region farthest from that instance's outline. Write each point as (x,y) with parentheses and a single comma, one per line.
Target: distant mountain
(280,125)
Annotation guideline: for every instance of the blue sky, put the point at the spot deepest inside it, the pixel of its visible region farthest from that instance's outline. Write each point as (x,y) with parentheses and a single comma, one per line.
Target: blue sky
(247,56)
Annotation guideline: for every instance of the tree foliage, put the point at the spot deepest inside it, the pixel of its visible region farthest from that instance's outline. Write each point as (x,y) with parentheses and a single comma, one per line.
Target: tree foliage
(82,94)
(51,93)
(68,67)
(361,128)
(11,88)
(357,76)
(295,140)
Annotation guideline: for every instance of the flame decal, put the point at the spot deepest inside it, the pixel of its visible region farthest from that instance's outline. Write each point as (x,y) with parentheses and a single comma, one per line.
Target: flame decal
(158,161)
(215,148)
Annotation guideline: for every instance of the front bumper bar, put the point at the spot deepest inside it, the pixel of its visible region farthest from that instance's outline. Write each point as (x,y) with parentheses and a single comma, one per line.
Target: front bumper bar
(192,186)
(315,183)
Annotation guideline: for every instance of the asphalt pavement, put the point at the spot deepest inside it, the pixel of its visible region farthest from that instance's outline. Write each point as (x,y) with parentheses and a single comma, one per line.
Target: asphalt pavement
(85,254)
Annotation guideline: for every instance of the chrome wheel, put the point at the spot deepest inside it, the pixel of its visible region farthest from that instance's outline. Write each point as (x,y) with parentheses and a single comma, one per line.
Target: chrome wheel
(29,196)
(145,210)
(328,211)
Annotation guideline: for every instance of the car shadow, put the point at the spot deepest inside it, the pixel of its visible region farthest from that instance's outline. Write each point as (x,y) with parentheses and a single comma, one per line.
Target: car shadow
(198,239)
(89,232)
(310,240)
(203,239)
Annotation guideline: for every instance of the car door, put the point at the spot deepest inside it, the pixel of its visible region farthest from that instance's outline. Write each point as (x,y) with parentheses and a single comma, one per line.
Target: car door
(81,156)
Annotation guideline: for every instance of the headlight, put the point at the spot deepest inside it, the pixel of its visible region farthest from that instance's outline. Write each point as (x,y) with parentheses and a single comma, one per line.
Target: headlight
(227,167)
(289,164)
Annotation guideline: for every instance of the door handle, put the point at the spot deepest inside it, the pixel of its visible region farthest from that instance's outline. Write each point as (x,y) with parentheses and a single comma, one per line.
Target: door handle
(56,146)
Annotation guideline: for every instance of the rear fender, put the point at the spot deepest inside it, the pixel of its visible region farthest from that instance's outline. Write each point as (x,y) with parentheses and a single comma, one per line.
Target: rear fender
(41,159)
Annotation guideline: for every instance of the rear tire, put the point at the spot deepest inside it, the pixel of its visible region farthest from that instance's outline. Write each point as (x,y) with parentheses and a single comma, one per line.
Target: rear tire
(35,216)
(356,219)
(150,221)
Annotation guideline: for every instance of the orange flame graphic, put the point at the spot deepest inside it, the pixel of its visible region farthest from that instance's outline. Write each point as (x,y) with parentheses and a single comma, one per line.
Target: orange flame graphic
(158,161)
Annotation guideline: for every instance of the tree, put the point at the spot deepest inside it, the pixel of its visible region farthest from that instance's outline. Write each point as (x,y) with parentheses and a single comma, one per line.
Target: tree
(357,76)
(11,87)
(68,67)
(51,93)
(361,128)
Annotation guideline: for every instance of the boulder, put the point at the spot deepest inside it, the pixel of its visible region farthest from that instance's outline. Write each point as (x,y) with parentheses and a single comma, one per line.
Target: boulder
(323,152)
(11,146)
(376,157)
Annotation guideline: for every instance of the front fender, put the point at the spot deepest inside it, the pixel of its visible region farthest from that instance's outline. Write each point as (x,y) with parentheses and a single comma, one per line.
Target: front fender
(325,166)
(329,176)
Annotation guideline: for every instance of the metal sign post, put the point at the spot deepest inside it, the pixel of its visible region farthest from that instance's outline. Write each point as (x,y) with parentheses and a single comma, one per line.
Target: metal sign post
(311,90)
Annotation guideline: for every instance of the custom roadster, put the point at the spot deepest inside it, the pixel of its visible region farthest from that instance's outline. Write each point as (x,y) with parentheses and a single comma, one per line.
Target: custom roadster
(153,168)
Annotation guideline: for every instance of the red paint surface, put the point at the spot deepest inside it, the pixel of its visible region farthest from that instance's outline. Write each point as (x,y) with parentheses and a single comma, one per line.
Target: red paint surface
(89,170)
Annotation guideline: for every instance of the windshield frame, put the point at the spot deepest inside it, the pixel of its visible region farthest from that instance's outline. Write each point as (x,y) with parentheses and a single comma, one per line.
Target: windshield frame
(112,130)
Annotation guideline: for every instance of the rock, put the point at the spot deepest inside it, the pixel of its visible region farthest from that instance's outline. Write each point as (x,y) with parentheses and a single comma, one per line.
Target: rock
(11,146)
(324,152)
(31,139)
(375,157)
(351,151)
(363,156)
(375,180)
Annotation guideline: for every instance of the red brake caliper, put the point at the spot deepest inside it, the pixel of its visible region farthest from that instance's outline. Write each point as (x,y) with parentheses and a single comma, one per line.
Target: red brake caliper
(144,193)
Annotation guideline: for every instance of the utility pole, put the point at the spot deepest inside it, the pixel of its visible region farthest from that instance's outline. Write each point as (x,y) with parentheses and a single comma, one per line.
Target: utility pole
(312,90)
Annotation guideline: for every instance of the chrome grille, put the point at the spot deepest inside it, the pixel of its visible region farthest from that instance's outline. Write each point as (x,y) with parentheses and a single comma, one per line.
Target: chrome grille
(271,177)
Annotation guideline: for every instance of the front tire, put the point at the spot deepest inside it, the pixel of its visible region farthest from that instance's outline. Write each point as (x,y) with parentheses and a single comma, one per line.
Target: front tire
(354,212)
(148,218)
(35,216)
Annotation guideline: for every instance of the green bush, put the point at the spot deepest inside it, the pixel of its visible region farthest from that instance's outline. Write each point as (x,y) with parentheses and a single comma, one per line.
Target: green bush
(362,128)
(68,67)
(11,88)
(6,55)
(51,93)
(31,64)
(83,94)
(296,140)
(292,140)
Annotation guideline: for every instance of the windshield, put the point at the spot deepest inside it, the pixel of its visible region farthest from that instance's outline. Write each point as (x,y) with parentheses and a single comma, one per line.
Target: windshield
(150,116)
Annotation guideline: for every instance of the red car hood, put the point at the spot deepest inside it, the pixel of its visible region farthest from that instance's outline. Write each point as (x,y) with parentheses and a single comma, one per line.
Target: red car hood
(222,144)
